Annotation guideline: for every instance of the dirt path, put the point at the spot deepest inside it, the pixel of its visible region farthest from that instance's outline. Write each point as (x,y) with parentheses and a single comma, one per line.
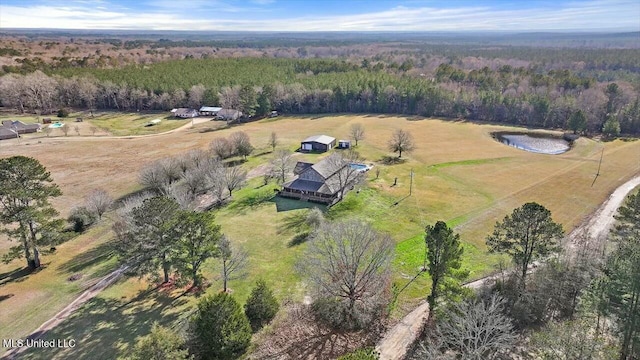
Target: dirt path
(396,342)
(69,309)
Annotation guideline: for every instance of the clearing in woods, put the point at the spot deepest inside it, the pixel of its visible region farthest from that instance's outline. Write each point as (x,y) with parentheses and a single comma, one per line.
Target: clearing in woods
(462,176)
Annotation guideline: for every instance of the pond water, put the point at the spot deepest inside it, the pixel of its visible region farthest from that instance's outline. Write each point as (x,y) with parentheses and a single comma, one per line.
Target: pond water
(537,143)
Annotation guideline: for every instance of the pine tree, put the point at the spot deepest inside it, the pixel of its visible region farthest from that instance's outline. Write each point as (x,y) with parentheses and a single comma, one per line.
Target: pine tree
(261,306)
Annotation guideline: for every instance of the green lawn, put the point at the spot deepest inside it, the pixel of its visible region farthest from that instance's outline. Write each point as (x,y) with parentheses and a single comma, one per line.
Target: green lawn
(461,175)
(119,124)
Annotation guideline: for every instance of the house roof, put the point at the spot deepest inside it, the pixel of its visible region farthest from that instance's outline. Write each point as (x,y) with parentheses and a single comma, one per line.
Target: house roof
(19,125)
(184,111)
(322,139)
(210,109)
(6,132)
(325,168)
(301,166)
(303,185)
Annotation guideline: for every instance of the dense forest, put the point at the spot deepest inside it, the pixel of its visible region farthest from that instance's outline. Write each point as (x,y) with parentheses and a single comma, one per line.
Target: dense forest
(583,89)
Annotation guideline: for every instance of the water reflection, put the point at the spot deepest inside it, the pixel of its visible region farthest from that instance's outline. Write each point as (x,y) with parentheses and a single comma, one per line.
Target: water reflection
(535,143)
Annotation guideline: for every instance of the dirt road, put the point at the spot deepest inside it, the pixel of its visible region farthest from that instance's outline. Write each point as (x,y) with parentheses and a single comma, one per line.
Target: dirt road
(69,309)
(395,343)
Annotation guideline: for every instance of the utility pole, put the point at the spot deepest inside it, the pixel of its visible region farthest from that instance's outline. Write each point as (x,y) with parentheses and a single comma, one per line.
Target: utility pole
(411,181)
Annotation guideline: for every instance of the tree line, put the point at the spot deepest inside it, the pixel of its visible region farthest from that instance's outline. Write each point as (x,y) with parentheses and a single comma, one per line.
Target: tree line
(507,94)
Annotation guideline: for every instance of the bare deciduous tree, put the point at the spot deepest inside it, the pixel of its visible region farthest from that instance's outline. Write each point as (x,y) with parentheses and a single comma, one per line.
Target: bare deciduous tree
(235,178)
(347,176)
(234,262)
(221,148)
(94,130)
(196,94)
(357,132)
(348,265)
(47,130)
(77,130)
(282,164)
(401,141)
(98,202)
(194,180)
(315,218)
(273,141)
(65,129)
(478,329)
(241,144)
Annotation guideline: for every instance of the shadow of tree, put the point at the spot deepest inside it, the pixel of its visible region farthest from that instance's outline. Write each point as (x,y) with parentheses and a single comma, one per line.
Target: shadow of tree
(298,239)
(293,223)
(105,327)
(87,259)
(16,275)
(5,297)
(258,197)
(391,160)
(298,336)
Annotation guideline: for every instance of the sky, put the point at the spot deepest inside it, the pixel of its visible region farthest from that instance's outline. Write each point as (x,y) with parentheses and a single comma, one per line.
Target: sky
(323,15)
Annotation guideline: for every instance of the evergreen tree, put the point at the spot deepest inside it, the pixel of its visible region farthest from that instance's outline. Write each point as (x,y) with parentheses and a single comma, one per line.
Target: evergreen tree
(248,102)
(261,306)
(219,330)
(526,235)
(444,256)
(25,211)
(197,240)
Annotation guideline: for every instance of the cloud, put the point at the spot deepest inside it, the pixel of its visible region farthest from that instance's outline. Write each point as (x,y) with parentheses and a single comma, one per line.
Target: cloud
(205,15)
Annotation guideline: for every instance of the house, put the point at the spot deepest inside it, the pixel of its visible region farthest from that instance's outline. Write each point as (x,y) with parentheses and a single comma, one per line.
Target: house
(228,114)
(185,113)
(6,133)
(209,110)
(319,143)
(321,182)
(20,127)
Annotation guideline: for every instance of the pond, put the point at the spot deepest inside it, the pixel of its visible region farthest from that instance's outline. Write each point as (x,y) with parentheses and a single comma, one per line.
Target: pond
(537,143)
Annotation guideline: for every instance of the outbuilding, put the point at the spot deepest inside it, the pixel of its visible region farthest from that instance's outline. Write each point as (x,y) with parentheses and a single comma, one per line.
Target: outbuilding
(319,143)
(228,114)
(185,113)
(209,110)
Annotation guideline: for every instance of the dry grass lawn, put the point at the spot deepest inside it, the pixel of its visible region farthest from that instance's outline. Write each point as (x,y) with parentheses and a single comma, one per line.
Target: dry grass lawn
(462,176)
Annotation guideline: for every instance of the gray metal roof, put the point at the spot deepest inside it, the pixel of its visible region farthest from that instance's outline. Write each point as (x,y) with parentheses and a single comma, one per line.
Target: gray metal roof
(322,139)
(301,166)
(303,185)
(210,109)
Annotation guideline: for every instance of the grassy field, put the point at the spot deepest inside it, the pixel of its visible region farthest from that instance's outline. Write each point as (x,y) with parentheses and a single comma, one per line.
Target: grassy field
(119,124)
(103,123)
(462,176)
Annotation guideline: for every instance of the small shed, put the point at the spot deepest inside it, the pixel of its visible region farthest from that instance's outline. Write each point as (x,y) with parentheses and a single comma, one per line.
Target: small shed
(344,144)
(79,119)
(273,114)
(46,121)
(209,110)
(320,143)
(185,113)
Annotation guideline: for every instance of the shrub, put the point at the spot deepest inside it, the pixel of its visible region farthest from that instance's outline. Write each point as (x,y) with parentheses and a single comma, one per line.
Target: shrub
(81,218)
(361,354)
(63,113)
(219,329)
(160,344)
(261,306)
